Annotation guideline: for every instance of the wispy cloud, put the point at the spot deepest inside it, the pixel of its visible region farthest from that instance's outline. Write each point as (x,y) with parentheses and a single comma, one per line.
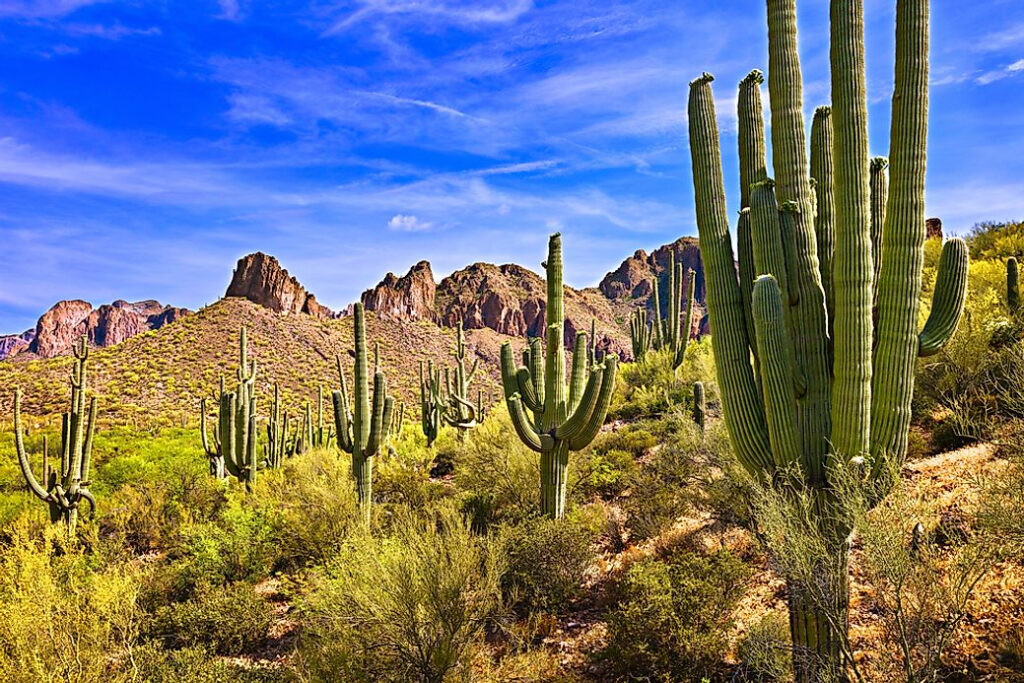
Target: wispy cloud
(42,9)
(408,223)
(483,12)
(999,74)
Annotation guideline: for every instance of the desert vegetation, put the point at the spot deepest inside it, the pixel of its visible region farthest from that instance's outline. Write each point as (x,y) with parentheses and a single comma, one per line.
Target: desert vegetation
(828,487)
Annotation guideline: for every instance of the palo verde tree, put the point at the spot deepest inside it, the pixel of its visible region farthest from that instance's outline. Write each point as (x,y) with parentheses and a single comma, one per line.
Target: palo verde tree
(562,418)
(65,487)
(827,397)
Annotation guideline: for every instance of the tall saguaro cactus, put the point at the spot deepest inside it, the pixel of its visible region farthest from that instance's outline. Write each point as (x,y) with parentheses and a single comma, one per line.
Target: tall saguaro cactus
(64,488)
(564,418)
(432,404)
(672,331)
(833,376)
(361,427)
(460,411)
(639,334)
(235,445)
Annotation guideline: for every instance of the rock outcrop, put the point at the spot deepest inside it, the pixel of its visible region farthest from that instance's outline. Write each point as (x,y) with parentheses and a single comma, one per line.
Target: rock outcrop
(933,227)
(508,299)
(13,344)
(410,297)
(632,279)
(260,278)
(64,324)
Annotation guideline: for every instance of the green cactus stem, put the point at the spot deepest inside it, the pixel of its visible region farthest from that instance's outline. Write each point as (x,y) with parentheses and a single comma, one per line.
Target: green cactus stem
(639,334)
(432,402)
(459,411)
(836,286)
(279,445)
(235,444)
(361,427)
(64,489)
(699,404)
(565,417)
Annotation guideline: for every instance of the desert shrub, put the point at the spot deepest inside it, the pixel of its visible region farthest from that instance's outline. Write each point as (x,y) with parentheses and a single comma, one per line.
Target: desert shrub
(650,388)
(607,474)
(403,475)
(536,665)
(990,240)
(411,606)
(238,546)
(677,476)
(197,665)
(63,616)
(497,472)
(671,617)
(228,619)
(309,507)
(546,561)
(764,651)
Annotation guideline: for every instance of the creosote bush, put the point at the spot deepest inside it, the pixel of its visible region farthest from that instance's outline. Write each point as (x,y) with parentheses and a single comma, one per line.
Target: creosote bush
(409,607)
(671,617)
(229,620)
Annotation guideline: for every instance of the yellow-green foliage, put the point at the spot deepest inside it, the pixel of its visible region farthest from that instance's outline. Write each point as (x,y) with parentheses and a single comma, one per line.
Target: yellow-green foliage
(651,387)
(411,606)
(63,615)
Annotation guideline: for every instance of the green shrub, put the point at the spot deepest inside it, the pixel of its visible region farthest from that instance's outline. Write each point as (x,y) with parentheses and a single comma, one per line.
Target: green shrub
(494,467)
(63,615)
(229,619)
(412,606)
(546,561)
(197,665)
(671,617)
(764,651)
(309,507)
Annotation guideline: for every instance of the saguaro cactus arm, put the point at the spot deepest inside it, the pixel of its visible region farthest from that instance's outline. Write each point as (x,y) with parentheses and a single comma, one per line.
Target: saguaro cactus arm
(948,300)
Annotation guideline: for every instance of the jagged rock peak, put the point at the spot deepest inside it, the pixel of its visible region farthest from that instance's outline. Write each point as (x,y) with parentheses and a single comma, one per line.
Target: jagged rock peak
(260,278)
(60,327)
(410,297)
(632,279)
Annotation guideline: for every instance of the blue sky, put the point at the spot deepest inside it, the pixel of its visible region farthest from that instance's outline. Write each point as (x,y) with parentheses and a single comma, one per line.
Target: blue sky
(145,146)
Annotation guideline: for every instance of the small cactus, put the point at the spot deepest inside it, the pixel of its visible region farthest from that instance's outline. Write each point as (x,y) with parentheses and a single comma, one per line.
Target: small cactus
(699,404)
(64,489)
(1012,286)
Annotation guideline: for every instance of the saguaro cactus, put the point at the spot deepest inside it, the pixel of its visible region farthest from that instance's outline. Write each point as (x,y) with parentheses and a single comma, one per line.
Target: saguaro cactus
(699,404)
(459,411)
(361,428)
(564,418)
(235,445)
(279,444)
(432,403)
(814,400)
(63,489)
(639,334)
(672,331)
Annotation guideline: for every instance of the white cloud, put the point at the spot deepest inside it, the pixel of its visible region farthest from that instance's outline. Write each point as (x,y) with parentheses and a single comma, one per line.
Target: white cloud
(229,9)
(475,13)
(408,223)
(42,9)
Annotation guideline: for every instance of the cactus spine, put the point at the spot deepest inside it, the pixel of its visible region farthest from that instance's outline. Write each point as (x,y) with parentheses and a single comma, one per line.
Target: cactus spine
(565,418)
(361,428)
(815,402)
(64,489)
(1012,286)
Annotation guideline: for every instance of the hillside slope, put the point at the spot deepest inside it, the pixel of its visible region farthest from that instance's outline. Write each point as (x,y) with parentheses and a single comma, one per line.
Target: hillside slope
(159,377)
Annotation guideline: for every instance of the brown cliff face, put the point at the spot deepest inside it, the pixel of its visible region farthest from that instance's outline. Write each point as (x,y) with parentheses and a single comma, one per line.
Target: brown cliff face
(632,279)
(60,327)
(933,227)
(508,299)
(13,344)
(261,279)
(410,297)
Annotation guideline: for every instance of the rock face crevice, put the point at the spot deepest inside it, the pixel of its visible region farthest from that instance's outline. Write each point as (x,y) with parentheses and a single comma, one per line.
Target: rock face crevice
(260,278)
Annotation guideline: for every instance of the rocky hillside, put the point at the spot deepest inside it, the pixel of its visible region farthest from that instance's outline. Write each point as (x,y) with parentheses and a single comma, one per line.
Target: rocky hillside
(67,321)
